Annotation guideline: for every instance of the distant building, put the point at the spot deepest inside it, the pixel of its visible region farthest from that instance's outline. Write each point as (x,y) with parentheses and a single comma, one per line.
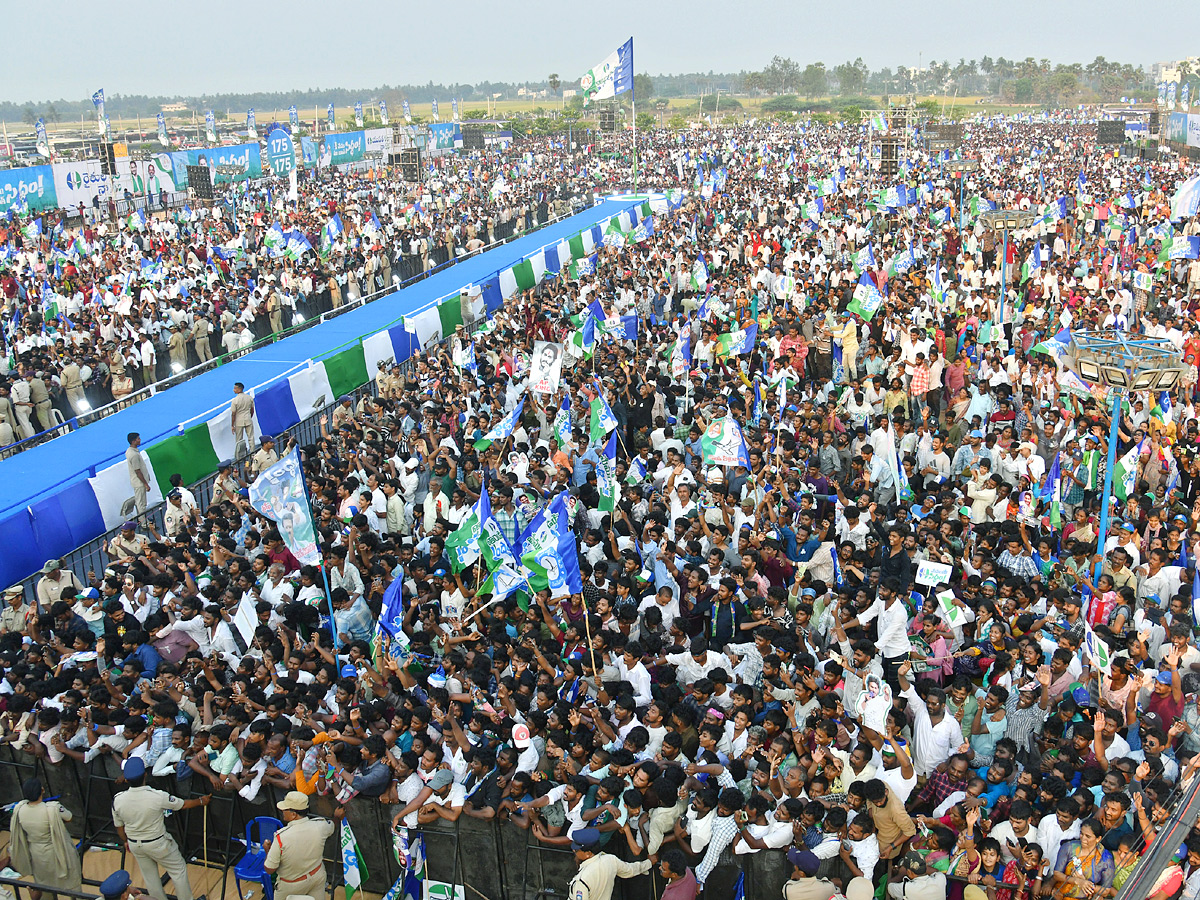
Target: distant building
(175,108)
(569,93)
(1173,71)
(521,92)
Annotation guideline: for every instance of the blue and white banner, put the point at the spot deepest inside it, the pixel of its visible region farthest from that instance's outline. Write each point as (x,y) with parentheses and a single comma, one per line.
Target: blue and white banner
(454,109)
(278,493)
(613,75)
(294,119)
(101,118)
(210,126)
(162,131)
(281,153)
(434,109)
(1184,248)
(31,187)
(329,115)
(251,127)
(43,140)
(407,112)
(358,114)
(383,113)
(347,147)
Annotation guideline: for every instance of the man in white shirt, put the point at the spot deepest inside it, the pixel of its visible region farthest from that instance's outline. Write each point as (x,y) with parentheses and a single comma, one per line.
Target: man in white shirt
(936,735)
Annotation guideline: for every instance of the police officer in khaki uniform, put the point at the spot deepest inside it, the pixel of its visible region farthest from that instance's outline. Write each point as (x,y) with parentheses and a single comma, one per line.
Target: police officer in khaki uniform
(8,418)
(295,854)
(200,332)
(265,457)
(138,815)
(136,466)
(241,409)
(227,486)
(72,385)
(39,395)
(274,311)
(177,348)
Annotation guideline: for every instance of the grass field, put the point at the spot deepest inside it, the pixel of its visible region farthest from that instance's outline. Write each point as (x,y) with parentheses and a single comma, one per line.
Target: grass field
(751,106)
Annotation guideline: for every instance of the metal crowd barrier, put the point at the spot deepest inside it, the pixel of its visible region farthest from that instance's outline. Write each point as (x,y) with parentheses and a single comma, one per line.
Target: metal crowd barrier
(489,858)
(492,860)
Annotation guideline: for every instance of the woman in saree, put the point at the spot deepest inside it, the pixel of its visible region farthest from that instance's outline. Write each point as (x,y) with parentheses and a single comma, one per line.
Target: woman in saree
(1084,868)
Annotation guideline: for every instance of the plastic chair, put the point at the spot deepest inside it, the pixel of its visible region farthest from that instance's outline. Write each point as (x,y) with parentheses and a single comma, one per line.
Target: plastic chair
(250,866)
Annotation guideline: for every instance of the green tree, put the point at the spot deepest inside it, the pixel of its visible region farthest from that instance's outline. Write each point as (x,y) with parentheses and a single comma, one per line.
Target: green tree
(850,79)
(643,87)
(554,83)
(677,122)
(782,75)
(814,80)
(28,116)
(53,115)
(645,121)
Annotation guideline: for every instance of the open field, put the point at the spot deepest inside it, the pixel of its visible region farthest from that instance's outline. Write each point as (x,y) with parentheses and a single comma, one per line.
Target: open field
(751,106)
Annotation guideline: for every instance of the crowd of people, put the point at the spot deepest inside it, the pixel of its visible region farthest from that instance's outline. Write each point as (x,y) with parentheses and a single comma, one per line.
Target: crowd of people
(806,560)
(96,308)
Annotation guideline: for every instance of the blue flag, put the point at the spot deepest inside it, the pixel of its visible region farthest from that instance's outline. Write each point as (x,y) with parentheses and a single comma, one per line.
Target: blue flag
(391,616)
(548,549)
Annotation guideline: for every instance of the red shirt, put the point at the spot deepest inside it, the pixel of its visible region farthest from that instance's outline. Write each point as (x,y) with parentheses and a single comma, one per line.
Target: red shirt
(1165,706)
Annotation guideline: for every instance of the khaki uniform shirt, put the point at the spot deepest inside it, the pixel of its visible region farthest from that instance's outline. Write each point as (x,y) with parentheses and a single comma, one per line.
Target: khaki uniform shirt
(598,874)
(263,459)
(809,889)
(37,391)
(69,377)
(242,408)
(135,464)
(140,810)
(49,590)
(124,547)
(298,848)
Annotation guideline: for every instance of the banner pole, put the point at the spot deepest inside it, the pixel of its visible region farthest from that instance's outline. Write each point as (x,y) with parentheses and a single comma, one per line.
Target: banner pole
(324,575)
(328,602)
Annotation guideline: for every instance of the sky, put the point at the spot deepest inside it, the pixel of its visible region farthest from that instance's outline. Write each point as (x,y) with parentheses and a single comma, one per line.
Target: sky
(155,48)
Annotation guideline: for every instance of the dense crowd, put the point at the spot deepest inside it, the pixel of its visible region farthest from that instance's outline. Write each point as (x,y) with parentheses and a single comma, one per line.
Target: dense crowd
(97,307)
(885,641)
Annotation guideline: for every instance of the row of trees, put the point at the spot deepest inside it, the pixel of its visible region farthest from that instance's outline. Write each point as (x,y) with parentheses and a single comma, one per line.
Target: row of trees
(1028,80)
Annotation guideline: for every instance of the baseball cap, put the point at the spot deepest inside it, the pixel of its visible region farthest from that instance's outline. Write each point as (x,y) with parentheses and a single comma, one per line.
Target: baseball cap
(804,860)
(294,800)
(520,736)
(441,778)
(585,839)
(914,862)
(115,884)
(1163,678)
(977,433)
(133,769)
(964,510)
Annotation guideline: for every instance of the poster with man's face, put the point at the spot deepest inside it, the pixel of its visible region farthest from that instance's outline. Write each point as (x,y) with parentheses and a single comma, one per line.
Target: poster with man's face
(545,369)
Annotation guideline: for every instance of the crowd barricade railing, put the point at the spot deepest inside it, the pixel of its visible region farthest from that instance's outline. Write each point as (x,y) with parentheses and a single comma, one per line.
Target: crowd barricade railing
(492,859)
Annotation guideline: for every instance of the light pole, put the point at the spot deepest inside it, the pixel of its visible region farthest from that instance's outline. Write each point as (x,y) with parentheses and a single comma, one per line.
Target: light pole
(1006,220)
(960,168)
(1122,364)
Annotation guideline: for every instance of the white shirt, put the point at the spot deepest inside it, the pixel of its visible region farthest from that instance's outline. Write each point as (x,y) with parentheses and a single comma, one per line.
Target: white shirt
(639,680)
(893,627)
(933,744)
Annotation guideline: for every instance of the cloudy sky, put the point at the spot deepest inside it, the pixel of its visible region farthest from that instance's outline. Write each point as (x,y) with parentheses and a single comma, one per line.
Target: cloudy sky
(155,48)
